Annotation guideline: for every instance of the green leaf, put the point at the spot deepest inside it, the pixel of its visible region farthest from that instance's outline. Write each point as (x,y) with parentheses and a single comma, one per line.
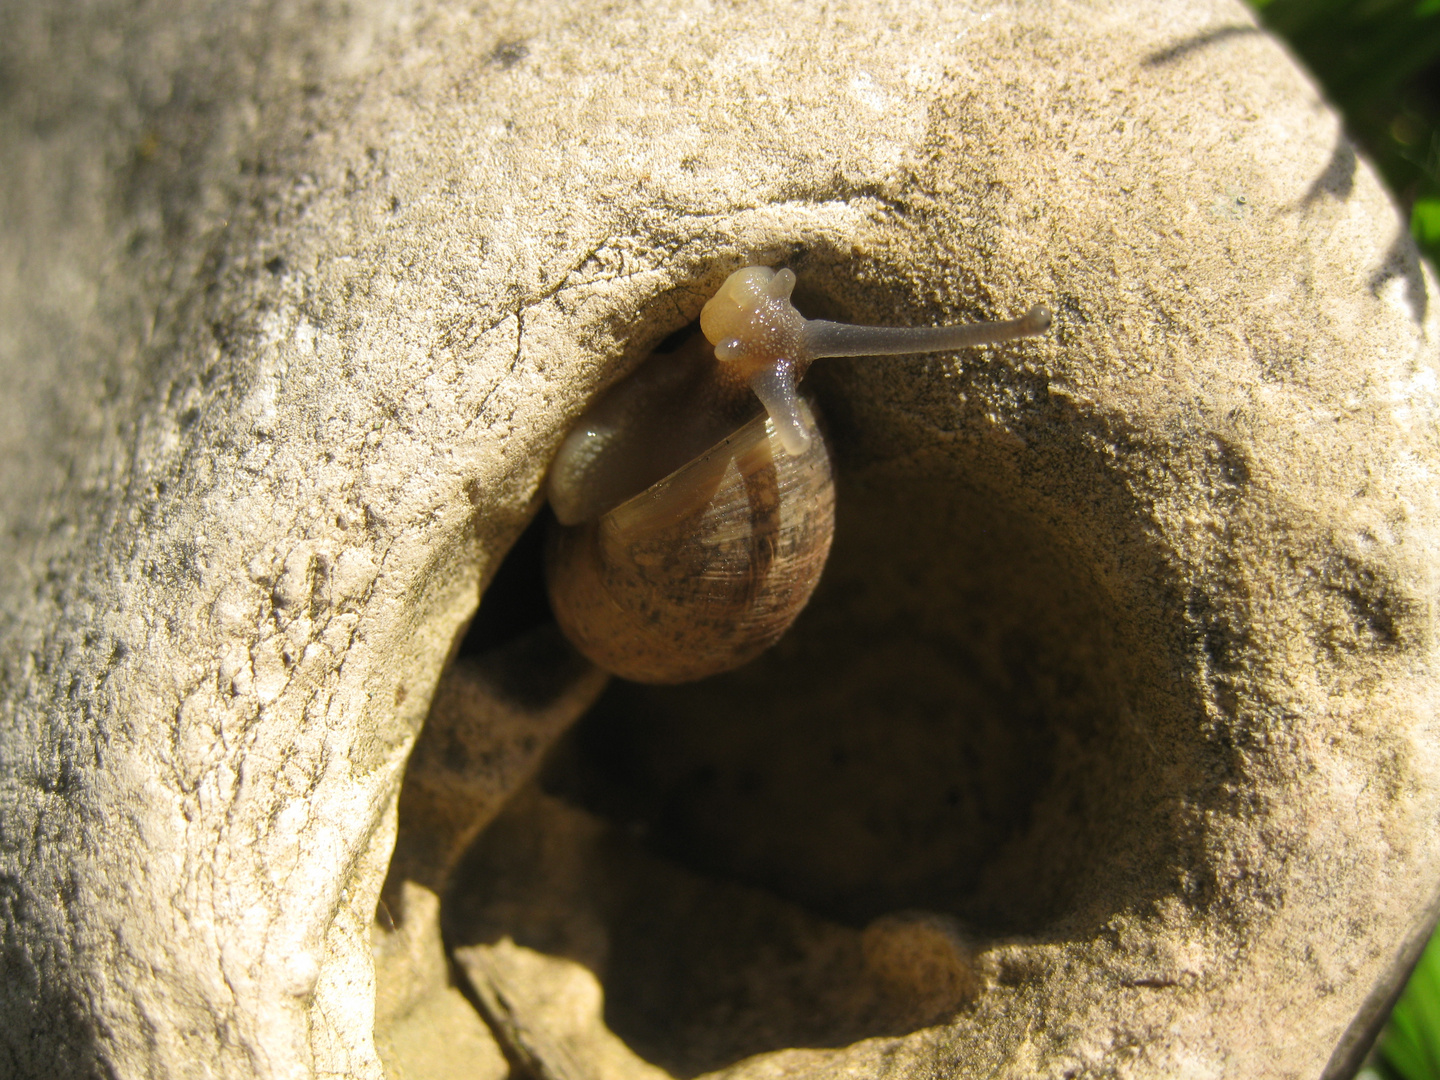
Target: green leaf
(1410,1043)
(1425,219)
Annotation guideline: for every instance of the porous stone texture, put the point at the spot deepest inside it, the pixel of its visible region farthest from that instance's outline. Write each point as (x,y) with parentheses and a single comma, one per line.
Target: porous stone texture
(1111,730)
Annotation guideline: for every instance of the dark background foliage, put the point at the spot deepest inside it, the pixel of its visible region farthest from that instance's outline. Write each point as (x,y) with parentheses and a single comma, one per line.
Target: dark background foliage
(1379,61)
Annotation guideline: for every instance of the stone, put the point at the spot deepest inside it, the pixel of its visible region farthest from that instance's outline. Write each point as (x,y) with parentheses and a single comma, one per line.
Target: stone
(425,1027)
(1119,690)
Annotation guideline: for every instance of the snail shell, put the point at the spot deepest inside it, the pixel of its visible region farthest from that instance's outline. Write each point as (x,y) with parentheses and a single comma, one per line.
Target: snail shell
(692,525)
(703,570)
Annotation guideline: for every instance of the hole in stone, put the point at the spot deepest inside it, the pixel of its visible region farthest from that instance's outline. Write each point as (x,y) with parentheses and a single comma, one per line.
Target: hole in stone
(958,744)
(514,603)
(983,730)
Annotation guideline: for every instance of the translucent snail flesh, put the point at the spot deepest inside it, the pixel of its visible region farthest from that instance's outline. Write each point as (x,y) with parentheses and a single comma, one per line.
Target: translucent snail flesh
(696,501)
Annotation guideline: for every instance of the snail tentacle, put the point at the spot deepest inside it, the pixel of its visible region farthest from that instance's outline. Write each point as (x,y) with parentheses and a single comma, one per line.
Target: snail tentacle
(826,338)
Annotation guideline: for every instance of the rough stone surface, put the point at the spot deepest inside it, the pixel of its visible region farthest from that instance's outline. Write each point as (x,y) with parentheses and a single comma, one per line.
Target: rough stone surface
(1124,666)
(491,722)
(425,1029)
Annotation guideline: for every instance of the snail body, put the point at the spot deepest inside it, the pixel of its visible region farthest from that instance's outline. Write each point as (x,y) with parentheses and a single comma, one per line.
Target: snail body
(695,501)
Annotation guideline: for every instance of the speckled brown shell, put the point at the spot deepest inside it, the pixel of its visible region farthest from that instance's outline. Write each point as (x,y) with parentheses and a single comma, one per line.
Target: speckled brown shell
(705,569)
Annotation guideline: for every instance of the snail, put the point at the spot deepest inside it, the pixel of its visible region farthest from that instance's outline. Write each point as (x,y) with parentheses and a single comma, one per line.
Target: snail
(695,500)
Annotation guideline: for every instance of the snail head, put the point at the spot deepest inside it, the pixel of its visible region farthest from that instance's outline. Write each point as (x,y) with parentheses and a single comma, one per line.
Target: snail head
(760,340)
